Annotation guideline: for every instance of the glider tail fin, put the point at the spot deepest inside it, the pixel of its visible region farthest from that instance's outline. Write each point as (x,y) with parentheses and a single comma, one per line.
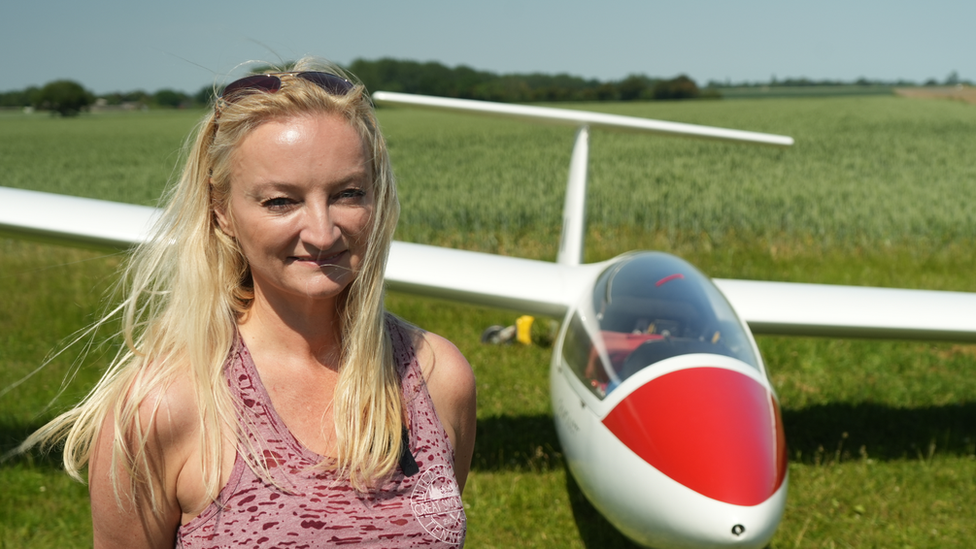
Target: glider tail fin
(574,210)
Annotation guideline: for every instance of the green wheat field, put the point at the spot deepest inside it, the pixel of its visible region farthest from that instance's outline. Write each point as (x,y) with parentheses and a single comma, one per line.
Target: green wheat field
(877,191)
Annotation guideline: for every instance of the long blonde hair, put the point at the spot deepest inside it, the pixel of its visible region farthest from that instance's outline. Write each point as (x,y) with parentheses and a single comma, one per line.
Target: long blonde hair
(186,287)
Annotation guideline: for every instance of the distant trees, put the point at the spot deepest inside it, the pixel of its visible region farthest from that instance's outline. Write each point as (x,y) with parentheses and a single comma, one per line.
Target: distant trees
(635,86)
(463,82)
(162,98)
(952,79)
(681,87)
(69,98)
(171,98)
(205,96)
(640,87)
(134,97)
(66,97)
(20,98)
(431,78)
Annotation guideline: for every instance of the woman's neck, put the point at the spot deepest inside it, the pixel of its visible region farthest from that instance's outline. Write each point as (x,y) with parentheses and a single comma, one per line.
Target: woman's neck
(306,329)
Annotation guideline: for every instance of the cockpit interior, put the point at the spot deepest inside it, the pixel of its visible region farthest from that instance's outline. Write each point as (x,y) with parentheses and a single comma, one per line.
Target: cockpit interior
(646,308)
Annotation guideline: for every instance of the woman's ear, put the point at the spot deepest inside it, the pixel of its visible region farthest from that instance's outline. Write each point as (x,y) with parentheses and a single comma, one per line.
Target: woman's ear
(223,222)
(223,219)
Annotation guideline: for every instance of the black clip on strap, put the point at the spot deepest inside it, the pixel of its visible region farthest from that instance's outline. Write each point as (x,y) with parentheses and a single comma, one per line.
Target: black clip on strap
(407,462)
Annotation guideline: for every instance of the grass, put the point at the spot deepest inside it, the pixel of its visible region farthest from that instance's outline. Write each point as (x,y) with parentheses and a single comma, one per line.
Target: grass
(121,157)
(901,161)
(882,434)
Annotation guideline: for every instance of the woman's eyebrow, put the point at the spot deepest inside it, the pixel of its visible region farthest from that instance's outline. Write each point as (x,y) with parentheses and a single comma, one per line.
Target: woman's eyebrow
(260,189)
(361,177)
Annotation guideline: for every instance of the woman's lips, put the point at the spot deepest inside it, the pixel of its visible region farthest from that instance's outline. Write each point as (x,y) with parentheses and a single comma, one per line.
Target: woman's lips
(320,261)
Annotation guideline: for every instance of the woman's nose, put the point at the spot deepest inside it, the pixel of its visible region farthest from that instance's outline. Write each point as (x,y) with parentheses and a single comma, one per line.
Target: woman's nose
(320,230)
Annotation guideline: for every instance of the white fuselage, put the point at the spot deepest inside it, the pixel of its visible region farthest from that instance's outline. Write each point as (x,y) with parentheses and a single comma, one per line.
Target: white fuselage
(677,451)
(641,501)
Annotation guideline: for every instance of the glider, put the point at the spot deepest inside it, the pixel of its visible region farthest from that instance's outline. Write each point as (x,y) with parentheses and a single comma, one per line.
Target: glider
(662,403)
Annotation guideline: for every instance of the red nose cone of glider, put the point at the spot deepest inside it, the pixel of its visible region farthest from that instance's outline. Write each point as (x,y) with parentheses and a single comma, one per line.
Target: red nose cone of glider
(715,431)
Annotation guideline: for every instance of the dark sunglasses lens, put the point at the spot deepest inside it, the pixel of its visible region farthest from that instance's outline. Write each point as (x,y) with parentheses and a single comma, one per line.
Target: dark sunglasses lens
(328,82)
(262,83)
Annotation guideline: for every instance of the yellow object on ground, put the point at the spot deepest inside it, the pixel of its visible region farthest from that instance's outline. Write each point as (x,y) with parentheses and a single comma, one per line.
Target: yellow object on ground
(523,326)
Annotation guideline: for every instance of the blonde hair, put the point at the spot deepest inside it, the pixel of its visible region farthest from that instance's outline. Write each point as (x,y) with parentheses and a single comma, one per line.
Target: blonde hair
(187,286)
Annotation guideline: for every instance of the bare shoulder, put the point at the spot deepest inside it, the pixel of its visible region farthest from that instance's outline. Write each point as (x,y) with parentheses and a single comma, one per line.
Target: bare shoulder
(447,372)
(451,383)
(168,413)
(438,357)
(167,418)
(168,422)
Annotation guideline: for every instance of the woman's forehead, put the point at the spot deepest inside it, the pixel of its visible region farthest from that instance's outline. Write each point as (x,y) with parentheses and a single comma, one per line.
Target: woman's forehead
(295,150)
(290,129)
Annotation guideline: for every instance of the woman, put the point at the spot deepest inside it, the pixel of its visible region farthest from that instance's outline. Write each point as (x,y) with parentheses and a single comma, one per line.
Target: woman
(266,398)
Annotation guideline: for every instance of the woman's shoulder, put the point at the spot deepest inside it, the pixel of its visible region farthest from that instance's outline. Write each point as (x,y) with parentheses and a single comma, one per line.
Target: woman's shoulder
(168,421)
(440,358)
(446,372)
(176,406)
(168,412)
(165,429)
(437,356)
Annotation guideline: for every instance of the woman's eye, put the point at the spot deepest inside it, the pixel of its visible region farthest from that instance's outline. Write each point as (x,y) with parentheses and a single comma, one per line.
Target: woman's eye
(276,203)
(352,194)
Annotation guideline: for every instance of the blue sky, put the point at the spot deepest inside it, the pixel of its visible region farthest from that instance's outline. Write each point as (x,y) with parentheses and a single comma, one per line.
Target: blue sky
(109,45)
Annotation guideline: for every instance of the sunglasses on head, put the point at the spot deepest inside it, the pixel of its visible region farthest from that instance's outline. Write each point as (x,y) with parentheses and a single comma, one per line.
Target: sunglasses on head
(270,83)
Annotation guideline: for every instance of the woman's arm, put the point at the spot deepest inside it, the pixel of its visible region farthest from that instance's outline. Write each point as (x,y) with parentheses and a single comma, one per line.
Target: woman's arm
(451,384)
(127,522)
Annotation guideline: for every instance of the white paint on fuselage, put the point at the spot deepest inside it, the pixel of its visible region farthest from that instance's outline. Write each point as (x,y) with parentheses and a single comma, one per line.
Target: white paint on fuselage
(639,500)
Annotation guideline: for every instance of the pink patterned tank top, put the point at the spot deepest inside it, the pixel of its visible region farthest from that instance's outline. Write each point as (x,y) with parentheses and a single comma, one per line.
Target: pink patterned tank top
(319,509)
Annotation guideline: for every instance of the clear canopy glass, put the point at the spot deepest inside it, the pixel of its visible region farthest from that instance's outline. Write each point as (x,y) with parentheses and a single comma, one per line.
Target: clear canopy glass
(646,308)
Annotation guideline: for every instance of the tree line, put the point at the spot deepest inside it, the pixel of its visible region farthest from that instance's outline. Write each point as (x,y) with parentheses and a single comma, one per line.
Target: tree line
(431,78)
(463,82)
(952,79)
(69,98)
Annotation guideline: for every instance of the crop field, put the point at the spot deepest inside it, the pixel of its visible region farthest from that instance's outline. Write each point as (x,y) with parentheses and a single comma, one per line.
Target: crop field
(766,92)
(877,191)
(958,92)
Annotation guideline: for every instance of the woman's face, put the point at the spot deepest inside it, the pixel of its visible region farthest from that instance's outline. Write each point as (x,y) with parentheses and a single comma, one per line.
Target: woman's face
(300,204)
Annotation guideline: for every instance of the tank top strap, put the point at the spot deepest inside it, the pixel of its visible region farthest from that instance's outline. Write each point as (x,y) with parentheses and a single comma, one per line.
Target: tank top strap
(412,384)
(426,429)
